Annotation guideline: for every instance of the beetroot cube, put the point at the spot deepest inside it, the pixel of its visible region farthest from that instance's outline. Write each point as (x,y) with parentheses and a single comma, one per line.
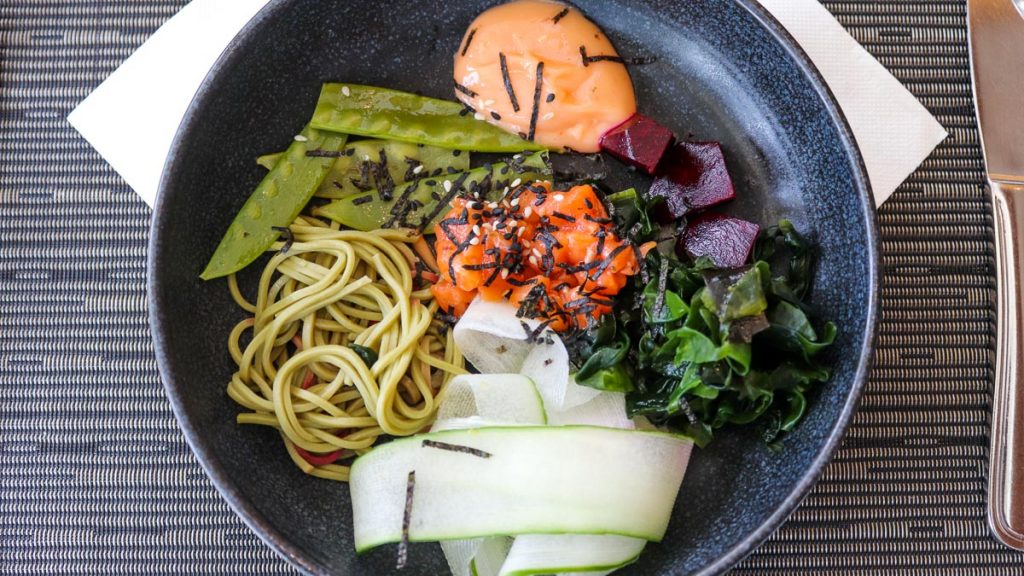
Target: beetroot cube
(639,141)
(726,240)
(693,177)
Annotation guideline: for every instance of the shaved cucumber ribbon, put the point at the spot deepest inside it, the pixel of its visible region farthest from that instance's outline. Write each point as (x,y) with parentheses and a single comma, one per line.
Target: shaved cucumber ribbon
(493,339)
(553,553)
(536,480)
(477,401)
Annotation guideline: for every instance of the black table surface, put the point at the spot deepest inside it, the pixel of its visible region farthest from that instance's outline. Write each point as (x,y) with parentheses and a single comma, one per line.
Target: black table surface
(96,478)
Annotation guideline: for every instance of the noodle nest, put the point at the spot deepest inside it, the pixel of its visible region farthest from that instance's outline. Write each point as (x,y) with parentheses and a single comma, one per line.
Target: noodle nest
(343,347)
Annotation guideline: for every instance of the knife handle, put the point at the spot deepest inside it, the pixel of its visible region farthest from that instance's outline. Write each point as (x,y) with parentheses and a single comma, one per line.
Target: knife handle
(1006,457)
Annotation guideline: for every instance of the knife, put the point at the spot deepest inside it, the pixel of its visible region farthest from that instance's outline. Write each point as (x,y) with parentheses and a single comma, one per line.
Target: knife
(996,36)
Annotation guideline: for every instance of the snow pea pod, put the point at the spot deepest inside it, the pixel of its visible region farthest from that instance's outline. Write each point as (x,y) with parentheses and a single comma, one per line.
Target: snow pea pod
(355,171)
(394,115)
(275,203)
(421,203)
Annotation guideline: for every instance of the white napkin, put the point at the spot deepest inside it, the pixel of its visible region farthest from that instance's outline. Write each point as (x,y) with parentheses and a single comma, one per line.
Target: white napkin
(132,116)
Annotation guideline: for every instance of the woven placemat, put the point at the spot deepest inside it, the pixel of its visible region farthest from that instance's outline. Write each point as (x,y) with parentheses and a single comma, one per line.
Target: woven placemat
(96,478)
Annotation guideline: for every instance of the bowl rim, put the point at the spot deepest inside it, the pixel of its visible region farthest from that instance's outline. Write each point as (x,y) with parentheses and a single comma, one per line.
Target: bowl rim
(295,554)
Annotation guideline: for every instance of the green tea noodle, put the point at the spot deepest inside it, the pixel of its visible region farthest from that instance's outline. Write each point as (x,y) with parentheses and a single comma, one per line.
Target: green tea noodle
(324,305)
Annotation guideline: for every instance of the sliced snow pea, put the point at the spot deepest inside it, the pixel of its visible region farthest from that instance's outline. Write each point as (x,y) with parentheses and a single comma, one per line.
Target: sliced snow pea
(276,202)
(359,169)
(394,115)
(268,161)
(420,203)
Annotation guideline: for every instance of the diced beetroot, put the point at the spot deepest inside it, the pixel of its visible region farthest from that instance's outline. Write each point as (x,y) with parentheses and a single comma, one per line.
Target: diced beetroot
(639,141)
(692,177)
(726,240)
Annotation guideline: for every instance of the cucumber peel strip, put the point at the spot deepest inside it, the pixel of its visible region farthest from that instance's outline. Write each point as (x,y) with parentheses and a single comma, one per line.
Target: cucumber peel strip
(539,480)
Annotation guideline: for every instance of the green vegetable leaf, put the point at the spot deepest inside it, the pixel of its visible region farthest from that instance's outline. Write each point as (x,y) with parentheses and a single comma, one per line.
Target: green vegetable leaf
(791,331)
(672,309)
(613,379)
(628,209)
(367,355)
(801,261)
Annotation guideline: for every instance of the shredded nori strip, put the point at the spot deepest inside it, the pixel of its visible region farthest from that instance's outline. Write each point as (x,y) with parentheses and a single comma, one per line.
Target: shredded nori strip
(456,448)
(446,317)
(457,185)
(659,301)
(601,234)
(468,40)
(403,546)
(403,206)
(465,90)
(608,261)
(289,238)
(410,172)
(533,337)
(597,220)
(362,200)
(536,101)
(587,60)
(508,82)
(585,267)
(563,216)
(385,183)
(465,110)
(560,15)
(478,267)
(326,153)
(517,282)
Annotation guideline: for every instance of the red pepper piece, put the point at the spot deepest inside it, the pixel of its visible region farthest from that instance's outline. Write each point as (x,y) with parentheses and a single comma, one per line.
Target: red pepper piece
(319,459)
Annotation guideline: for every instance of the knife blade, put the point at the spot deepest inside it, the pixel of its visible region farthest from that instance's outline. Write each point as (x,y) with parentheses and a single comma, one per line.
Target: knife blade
(996,38)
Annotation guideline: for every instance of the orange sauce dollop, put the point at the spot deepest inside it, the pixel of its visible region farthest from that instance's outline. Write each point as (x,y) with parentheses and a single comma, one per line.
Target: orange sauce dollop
(529,67)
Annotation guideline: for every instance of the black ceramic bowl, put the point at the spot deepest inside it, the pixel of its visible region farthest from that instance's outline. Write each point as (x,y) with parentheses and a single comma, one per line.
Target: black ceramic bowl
(725,71)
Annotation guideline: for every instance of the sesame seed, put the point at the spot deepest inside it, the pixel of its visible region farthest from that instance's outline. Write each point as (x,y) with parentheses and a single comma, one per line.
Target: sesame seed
(474,241)
(492,205)
(548,116)
(520,231)
(366,157)
(476,229)
(488,102)
(517,156)
(447,185)
(504,273)
(478,116)
(515,201)
(517,182)
(559,197)
(538,253)
(346,91)
(505,191)
(528,211)
(301,138)
(417,169)
(533,260)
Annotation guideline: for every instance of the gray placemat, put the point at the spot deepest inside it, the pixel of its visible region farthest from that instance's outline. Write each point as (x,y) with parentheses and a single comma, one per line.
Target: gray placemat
(96,478)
